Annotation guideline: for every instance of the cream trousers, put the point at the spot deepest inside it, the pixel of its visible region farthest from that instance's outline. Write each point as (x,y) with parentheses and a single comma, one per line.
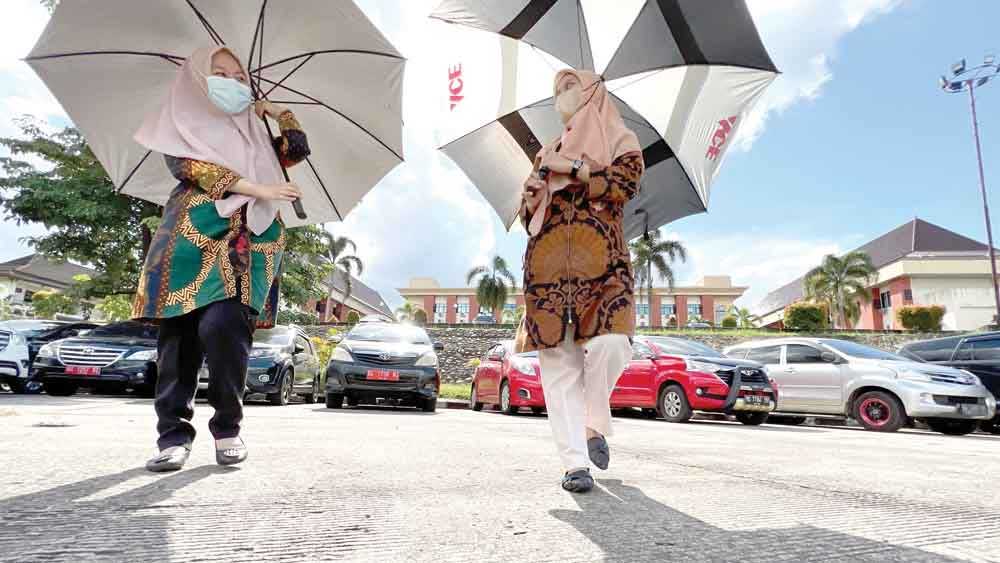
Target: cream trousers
(578,381)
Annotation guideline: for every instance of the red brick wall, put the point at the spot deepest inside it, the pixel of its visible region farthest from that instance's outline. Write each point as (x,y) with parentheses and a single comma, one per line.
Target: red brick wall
(429,307)
(708,308)
(452,302)
(655,319)
(473,308)
(681,306)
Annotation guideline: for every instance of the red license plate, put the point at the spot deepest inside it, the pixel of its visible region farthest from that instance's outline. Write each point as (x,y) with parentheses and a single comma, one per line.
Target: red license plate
(83,370)
(383,375)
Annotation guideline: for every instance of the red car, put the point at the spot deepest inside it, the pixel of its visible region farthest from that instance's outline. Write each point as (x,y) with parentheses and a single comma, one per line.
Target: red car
(670,376)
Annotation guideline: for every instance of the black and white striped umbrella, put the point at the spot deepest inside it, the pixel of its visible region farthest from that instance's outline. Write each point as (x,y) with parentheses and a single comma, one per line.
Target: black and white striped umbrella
(684,73)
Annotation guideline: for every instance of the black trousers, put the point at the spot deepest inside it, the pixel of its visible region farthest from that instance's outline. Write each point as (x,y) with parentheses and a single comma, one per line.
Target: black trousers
(220,333)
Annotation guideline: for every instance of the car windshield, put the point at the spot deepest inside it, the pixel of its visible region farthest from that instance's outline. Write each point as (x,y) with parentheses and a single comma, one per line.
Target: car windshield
(125,330)
(684,347)
(272,337)
(31,328)
(856,350)
(389,333)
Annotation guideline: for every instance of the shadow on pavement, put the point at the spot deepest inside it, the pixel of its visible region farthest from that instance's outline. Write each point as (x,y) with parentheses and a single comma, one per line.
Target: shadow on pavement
(62,524)
(627,525)
(377,410)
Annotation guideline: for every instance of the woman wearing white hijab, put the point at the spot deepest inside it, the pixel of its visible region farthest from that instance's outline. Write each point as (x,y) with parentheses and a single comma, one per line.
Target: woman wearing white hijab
(212,271)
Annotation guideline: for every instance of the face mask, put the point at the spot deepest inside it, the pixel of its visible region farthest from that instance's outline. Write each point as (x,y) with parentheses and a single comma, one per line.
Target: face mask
(231,96)
(568,103)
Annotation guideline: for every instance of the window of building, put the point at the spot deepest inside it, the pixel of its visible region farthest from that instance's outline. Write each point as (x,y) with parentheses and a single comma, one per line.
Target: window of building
(463,307)
(885,300)
(440,305)
(642,309)
(510,305)
(667,309)
(694,310)
(720,313)
(908,295)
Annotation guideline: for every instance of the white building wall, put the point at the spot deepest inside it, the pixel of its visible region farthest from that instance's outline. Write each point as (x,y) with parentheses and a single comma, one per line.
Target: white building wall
(968,302)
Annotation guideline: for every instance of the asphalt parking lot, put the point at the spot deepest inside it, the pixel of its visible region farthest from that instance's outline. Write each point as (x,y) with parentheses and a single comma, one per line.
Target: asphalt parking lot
(385,484)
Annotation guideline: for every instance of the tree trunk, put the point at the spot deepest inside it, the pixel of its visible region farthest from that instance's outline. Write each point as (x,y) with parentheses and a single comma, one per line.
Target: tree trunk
(147,239)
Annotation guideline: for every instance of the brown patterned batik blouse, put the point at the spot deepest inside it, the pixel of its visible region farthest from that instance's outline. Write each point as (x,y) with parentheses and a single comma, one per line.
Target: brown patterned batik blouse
(577,269)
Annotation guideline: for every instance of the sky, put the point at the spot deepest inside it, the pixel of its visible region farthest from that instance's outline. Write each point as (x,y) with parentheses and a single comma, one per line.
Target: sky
(853,139)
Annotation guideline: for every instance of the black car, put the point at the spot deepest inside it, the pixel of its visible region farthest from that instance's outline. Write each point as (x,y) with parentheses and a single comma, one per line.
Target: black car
(282,363)
(68,330)
(978,353)
(382,363)
(110,358)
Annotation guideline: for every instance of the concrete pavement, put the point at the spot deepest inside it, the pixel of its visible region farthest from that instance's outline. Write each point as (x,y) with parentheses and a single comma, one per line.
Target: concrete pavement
(396,485)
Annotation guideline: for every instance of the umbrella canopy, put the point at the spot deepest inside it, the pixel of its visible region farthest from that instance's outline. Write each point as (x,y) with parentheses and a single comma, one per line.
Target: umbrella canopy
(683,73)
(111,62)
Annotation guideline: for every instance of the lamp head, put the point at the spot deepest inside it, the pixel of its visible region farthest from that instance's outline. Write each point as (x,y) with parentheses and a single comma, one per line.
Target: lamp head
(958,68)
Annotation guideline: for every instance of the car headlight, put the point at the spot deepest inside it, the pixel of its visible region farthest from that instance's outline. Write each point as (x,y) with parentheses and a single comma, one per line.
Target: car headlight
(910,375)
(706,367)
(50,350)
(143,356)
(523,366)
(428,360)
(263,352)
(341,354)
(991,402)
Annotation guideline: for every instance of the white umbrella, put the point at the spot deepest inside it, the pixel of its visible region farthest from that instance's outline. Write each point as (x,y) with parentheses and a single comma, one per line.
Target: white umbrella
(111,62)
(684,74)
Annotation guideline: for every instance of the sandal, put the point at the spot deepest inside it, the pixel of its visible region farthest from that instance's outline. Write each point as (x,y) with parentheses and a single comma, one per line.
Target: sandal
(578,481)
(599,451)
(169,459)
(230,451)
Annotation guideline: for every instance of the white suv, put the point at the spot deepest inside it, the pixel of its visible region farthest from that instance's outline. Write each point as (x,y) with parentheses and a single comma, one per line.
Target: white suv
(826,376)
(15,353)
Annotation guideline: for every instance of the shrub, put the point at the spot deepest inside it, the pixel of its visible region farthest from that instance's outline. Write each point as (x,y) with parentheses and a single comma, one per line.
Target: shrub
(921,318)
(806,316)
(116,307)
(353,318)
(293,317)
(420,317)
(729,321)
(48,304)
(474,363)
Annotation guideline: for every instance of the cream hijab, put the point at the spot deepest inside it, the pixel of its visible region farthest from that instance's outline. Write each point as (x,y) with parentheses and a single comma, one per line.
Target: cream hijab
(190,126)
(595,131)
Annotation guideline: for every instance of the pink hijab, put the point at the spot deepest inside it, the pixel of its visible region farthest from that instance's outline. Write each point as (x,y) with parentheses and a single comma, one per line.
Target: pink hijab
(596,131)
(191,126)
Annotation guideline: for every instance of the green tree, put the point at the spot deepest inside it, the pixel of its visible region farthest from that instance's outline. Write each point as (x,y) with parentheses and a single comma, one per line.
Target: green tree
(841,283)
(513,317)
(495,283)
(305,267)
(346,264)
(408,312)
(420,317)
(649,253)
(744,318)
(353,318)
(47,304)
(116,307)
(54,179)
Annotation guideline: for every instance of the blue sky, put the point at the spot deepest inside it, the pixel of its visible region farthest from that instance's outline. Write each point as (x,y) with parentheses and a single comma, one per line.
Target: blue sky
(854,139)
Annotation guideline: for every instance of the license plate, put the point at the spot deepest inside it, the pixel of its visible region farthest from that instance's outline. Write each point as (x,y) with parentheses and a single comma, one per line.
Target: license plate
(83,370)
(383,375)
(971,410)
(755,399)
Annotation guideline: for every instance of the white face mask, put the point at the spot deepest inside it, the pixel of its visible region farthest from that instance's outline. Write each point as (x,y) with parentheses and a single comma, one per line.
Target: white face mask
(229,95)
(568,103)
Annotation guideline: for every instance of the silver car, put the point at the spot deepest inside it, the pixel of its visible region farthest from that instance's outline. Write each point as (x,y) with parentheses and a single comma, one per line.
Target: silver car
(826,376)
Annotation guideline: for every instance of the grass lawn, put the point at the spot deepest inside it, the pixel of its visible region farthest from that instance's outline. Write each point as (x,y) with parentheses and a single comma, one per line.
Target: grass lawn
(455,391)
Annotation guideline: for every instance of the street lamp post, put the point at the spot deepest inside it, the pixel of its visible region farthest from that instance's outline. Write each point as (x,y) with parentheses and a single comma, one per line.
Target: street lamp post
(968,79)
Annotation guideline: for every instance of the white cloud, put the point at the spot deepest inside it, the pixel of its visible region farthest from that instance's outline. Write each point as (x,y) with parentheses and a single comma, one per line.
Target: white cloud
(802,38)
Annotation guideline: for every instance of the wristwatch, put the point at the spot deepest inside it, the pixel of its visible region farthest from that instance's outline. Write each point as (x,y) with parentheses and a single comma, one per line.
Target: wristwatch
(577,164)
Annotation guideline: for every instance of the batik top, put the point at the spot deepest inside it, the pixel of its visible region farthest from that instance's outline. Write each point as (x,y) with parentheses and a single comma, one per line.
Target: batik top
(577,269)
(198,257)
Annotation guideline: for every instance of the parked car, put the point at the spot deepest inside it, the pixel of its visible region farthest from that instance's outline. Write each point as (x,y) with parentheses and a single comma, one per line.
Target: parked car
(509,380)
(389,363)
(484,319)
(670,376)
(881,390)
(20,341)
(698,324)
(282,363)
(113,357)
(977,353)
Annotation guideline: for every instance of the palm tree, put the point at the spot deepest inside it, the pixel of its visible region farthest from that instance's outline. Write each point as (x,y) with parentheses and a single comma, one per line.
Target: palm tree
(513,317)
(840,283)
(495,283)
(345,264)
(744,318)
(408,312)
(650,252)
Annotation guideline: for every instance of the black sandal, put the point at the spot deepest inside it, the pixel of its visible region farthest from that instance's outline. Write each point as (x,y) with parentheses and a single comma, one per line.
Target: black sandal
(578,481)
(599,451)
(169,459)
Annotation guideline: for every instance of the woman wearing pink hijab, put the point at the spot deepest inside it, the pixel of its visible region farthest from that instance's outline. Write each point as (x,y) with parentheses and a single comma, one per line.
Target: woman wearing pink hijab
(212,271)
(577,270)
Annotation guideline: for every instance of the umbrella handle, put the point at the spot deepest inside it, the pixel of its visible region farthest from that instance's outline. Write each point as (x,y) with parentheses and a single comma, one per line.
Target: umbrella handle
(300,212)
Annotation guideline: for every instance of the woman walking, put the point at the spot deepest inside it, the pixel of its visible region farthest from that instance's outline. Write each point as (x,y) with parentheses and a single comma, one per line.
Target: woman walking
(577,274)
(212,271)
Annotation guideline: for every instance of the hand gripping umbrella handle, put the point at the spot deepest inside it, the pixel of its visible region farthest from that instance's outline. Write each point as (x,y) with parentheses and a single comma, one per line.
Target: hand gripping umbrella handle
(300,212)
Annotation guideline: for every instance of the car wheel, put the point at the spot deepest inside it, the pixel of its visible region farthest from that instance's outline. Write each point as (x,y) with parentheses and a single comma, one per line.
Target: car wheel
(952,427)
(284,394)
(334,401)
(537,410)
(505,405)
(428,405)
(787,420)
(673,404)
(60,388)
(751,418)
(990,426)
(879,411)
(310,398)
(474,403)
